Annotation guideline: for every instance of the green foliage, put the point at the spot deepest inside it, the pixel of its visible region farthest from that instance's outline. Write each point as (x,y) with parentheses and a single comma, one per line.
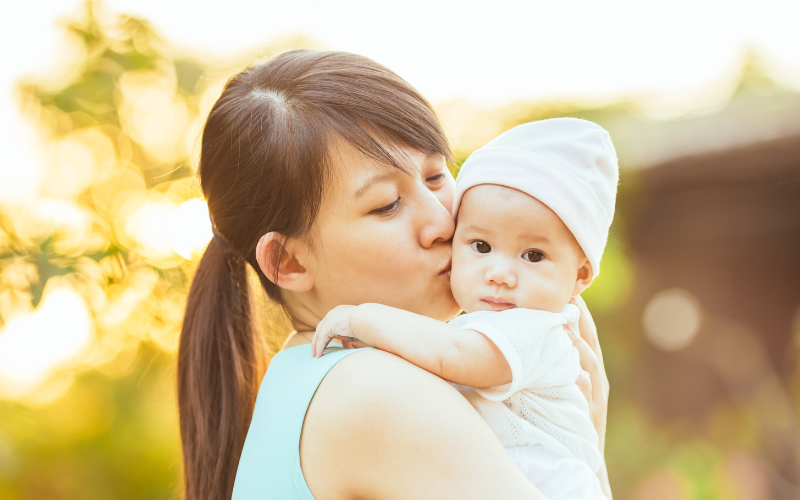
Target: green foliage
(107,437)
(113,433)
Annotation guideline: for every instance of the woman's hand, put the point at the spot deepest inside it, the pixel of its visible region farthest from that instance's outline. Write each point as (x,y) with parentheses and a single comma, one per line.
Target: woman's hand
(335,324)
(595,388)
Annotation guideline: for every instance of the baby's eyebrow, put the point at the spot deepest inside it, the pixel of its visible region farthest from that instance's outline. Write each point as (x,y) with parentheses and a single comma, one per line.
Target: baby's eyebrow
(536,237)
(474,228)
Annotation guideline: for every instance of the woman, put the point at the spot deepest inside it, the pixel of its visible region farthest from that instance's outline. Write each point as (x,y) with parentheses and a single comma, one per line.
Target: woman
(327,174)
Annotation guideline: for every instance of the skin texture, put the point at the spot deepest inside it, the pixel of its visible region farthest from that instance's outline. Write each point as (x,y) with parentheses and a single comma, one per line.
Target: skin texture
(378,426)
(382,235)
(463,357)
(501,235)
(510,250)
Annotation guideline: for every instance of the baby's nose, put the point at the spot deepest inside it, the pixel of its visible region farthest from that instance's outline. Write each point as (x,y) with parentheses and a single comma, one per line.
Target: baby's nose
(501,276)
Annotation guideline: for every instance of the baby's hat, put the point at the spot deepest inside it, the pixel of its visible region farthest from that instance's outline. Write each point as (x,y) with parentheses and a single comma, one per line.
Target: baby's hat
(568,164)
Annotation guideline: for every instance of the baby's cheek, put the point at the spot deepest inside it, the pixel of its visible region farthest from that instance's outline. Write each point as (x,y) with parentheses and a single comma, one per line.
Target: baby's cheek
(544,294)
(463,279)
(458,285)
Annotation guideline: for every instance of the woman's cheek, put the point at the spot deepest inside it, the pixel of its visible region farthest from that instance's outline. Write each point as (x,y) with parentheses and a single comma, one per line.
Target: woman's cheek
(387,249)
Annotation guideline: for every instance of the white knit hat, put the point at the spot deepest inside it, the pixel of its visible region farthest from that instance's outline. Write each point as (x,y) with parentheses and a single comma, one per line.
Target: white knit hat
(568,164)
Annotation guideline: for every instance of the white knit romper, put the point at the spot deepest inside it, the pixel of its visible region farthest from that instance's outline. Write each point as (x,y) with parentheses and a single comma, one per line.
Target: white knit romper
(541,417)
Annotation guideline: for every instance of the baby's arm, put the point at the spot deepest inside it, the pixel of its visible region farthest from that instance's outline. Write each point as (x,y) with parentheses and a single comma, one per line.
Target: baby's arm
(464,357)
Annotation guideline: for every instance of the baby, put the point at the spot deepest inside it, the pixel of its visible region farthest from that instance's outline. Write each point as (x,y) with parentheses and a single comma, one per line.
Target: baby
(533,210)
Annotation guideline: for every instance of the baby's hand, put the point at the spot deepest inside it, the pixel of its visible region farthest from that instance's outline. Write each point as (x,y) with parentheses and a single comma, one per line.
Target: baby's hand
(335,324)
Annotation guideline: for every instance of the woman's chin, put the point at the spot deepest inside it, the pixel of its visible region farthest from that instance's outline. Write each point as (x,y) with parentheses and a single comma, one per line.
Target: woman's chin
(447,308)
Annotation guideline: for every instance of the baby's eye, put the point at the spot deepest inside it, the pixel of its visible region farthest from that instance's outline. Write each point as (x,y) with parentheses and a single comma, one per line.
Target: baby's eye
(480,246)
(533,256)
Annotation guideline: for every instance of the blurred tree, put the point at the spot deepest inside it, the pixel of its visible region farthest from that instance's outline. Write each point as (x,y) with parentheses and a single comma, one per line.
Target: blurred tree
(117,138)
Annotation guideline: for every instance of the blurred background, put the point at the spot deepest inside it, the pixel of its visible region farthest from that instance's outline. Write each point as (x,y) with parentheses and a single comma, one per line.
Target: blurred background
(101,217)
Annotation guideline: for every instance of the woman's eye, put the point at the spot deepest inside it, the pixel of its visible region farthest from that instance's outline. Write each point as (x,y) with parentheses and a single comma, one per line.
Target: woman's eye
(480,246)
(533,256)
(435,178)
(391,207)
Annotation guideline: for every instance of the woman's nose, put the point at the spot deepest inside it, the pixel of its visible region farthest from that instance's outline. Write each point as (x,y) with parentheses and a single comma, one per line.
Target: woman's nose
(438,224)
(501,274)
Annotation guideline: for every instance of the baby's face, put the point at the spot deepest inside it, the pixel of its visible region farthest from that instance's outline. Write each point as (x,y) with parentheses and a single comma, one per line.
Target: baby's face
(510,250)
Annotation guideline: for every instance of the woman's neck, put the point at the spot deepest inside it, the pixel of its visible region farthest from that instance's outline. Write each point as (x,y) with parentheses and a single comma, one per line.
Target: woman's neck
(303,310)
(297,338)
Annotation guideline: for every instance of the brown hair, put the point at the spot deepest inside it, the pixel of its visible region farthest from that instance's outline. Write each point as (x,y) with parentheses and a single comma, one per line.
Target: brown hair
(263,165)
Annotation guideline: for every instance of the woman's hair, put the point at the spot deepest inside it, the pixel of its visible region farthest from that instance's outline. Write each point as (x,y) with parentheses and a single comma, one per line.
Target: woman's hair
(266,154)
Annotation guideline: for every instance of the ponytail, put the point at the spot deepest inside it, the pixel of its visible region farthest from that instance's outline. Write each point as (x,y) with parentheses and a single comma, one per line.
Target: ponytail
(220,361)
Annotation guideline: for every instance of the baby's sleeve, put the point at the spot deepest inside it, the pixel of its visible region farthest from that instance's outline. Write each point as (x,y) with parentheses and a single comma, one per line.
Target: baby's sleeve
(534,343)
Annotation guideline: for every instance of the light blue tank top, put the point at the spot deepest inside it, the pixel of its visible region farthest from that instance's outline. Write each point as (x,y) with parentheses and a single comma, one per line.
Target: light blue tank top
(270,463)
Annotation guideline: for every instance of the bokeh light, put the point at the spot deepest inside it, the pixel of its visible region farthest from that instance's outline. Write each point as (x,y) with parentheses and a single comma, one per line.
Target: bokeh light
(672,319)
(148,224)
(35,344)
(191,229)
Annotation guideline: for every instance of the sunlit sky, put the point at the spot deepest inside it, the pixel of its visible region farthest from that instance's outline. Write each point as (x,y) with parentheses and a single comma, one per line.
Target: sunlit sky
(487,52)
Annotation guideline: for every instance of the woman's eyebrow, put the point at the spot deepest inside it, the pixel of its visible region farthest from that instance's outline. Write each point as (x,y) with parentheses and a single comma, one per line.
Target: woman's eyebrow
(372,181)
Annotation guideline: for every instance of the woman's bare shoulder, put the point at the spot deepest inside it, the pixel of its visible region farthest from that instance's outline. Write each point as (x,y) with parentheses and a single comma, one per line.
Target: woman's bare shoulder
(376,370)
(377,412)
(374,381)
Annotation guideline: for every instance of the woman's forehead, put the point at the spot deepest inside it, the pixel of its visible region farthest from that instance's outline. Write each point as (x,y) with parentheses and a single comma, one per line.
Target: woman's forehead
(353,172)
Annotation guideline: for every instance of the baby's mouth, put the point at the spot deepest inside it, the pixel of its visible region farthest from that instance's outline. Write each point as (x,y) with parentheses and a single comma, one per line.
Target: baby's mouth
(497,303)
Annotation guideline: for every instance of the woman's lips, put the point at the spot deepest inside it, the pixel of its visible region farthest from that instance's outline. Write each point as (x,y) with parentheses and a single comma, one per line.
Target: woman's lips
(446,272)
(497,303)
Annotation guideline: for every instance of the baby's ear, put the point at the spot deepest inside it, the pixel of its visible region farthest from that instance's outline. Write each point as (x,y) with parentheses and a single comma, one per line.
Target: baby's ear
(584,278)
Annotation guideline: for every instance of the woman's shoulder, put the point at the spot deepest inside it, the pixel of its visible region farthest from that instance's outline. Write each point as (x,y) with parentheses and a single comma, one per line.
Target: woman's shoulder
(349,378)
(375,411)
(381,378)
(374,396)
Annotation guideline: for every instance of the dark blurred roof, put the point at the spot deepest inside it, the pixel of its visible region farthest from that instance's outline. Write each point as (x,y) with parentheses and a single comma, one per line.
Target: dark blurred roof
(738,193)
(724,225)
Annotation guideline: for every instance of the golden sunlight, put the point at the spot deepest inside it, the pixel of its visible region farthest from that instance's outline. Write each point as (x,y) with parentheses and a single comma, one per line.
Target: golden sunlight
(191,229)
(34,345)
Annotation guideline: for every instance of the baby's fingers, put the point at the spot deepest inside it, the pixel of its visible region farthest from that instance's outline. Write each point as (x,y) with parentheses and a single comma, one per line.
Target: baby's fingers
(314,344)
(322,342)
(321,339)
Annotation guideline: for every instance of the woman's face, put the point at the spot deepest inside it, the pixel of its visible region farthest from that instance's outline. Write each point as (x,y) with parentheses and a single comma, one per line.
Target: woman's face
(383,235)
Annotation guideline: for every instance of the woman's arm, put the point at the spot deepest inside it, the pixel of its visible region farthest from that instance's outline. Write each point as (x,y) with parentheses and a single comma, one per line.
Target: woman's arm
(464,357)
(596,388)
(380,428)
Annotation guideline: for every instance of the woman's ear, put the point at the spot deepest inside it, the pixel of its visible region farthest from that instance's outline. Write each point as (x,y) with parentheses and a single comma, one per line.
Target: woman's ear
(584,278)
(285,262)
